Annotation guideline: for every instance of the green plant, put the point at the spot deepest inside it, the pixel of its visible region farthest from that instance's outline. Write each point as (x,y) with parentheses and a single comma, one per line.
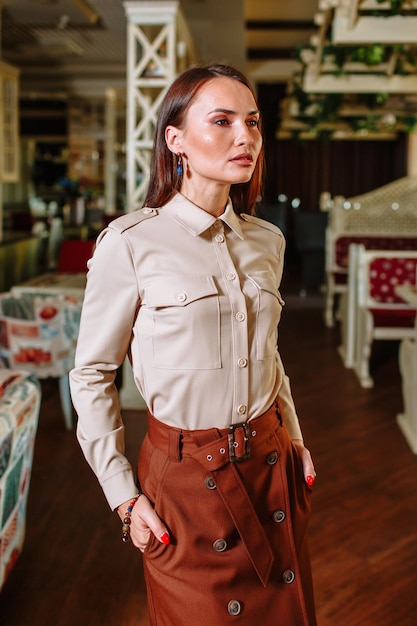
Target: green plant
(396,7)
(320,114)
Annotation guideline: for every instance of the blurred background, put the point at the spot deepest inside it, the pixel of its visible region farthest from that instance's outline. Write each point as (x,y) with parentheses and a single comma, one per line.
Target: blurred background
(80,86)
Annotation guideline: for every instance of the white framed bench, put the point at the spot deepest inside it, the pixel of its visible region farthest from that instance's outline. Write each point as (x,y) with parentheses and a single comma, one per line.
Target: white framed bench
(372,308)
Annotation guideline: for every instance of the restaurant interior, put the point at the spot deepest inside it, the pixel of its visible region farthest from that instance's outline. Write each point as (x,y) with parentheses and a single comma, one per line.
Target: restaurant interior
(336,80)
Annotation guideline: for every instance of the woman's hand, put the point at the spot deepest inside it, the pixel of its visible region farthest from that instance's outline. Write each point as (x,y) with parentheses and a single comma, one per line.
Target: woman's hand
(308,465)
(143,522)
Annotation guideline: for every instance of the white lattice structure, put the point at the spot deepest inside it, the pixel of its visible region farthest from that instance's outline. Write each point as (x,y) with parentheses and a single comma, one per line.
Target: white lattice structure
(159,47)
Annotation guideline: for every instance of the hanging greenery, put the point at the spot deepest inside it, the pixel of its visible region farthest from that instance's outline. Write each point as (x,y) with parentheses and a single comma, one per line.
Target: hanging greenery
(320,115)
(335,59)
(323,114)
(396,7)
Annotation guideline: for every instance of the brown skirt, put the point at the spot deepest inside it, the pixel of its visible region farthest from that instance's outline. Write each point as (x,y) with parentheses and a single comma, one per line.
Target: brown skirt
(236,505)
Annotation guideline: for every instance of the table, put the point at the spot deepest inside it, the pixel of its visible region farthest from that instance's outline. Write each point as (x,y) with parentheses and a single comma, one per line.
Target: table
(54,283)
(407,421)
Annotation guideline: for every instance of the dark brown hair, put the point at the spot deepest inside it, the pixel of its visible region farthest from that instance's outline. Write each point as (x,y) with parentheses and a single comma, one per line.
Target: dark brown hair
(164,180)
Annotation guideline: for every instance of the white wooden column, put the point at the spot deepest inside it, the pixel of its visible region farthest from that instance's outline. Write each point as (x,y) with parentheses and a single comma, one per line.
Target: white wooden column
(159,46)
(412,154)
(407,420)
(110,161)
(9,122)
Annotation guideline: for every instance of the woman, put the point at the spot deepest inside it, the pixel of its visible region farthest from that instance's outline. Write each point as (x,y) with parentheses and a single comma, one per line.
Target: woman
(188,287)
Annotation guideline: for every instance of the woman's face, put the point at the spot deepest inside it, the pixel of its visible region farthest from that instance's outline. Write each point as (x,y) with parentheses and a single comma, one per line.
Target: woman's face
(220,141)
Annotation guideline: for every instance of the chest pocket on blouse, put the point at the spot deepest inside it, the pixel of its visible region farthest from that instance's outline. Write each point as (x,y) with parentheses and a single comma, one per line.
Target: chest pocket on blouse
(268,306)
(186,322)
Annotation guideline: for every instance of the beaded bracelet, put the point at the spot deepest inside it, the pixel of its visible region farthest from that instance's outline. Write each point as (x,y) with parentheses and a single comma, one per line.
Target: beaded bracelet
(127,520)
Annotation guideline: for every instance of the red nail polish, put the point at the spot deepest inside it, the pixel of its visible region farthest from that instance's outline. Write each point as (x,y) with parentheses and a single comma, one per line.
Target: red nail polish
(310,480)
(165,538)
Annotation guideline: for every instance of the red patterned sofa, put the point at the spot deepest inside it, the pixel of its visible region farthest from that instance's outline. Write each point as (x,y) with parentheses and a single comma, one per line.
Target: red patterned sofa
(374,309)
(20,398)
(383,219)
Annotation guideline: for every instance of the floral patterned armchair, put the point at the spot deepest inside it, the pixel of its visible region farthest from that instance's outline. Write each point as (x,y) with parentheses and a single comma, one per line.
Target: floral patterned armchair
(38,334)
(20,397)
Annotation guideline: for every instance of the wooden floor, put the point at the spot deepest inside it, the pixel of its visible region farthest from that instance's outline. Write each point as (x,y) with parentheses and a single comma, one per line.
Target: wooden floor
(75,571)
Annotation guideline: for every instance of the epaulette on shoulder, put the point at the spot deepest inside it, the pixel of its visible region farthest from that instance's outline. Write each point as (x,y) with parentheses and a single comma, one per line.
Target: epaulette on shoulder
(260,222)
(124,222)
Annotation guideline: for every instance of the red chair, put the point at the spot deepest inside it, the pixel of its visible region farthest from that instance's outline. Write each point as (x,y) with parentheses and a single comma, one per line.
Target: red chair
(74,254)
(380,312)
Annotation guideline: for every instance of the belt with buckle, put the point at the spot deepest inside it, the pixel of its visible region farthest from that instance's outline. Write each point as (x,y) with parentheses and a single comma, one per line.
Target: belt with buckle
(234,444)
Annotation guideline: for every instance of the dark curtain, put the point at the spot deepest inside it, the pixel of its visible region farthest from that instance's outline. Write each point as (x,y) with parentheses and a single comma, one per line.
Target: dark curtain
(347,168)
(303,169)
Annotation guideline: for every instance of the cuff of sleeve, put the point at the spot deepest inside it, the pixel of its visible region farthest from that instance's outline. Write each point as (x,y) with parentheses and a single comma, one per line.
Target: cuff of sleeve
(119,488)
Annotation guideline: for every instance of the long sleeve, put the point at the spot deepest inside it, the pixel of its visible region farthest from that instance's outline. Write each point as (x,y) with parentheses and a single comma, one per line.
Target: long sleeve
(109,309)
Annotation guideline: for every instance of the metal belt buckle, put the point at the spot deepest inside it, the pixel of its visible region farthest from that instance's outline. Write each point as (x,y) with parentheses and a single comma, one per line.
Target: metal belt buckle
(233,444)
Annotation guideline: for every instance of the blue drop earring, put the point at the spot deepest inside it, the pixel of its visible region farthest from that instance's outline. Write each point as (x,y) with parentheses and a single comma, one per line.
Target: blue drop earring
(179,165)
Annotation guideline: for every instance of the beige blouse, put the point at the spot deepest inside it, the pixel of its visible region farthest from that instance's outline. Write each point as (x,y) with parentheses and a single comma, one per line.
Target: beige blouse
(194,300)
